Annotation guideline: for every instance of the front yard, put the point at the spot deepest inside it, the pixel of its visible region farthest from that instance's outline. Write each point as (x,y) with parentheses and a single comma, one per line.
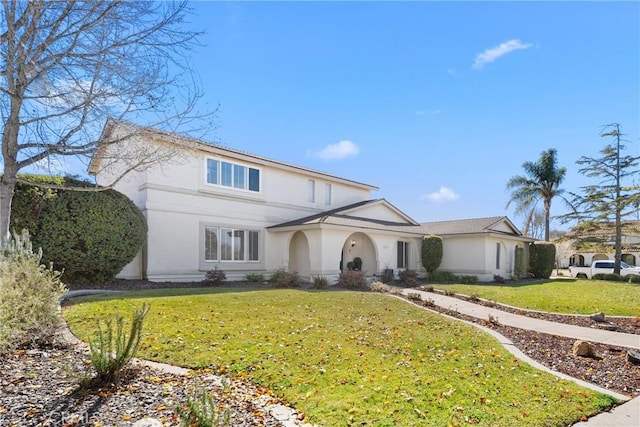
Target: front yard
(348,357)
(571,296)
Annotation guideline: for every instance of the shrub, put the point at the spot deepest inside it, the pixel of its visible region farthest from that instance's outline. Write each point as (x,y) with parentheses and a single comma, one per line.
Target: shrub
(633,278)
(111,350)
(542,257)
(443,277)
(201,411)
(386,276)
(519,263)
(276,276)
(352,279)
(29,294)
(254,277)
(357,263)
(288,280)
(613,277)
(467,280)
(414,296)
(498,278)
(408,277)
(214,277)
(431,253)
(320,282)
(91,235)
(379,287)
(599,276)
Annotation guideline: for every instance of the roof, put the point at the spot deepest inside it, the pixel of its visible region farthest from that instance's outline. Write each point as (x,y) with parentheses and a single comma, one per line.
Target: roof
(604,229)
(347,216)
(193,143)
(469,226)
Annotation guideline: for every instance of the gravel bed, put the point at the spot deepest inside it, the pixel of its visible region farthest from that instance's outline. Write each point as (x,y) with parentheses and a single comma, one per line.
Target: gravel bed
(608,369)
(39,387)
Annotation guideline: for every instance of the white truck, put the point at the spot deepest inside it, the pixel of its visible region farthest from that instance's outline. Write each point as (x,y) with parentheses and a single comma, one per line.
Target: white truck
(603,267)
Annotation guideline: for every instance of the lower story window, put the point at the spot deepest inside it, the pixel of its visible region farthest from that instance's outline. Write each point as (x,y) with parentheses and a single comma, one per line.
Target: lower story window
(229,244)
(403,254)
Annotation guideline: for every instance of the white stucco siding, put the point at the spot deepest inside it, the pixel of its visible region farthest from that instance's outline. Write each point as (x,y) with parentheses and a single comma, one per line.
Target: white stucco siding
(380,212)
(464,255)
(502,226)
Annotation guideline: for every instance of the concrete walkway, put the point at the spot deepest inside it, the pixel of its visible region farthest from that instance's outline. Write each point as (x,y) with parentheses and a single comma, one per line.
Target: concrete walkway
(625,415)
(524,322)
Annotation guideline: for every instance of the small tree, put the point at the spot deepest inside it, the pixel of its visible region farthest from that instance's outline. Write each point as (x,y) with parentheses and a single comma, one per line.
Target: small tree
(431,253)
(614,197)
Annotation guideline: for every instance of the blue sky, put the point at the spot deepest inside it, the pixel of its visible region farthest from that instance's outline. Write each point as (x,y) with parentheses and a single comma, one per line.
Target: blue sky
(437,103)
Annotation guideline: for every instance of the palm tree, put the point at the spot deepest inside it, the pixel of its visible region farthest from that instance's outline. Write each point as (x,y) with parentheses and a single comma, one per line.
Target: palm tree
(541,181)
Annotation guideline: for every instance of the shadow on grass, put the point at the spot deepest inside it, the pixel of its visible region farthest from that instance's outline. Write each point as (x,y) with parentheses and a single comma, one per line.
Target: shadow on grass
(510,283)
(187,291)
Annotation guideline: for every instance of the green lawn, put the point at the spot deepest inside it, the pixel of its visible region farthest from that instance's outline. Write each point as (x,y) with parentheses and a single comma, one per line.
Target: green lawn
(348,358)
(563,296)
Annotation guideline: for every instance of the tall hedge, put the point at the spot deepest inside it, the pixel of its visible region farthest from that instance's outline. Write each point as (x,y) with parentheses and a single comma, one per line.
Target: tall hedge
(520,265)
(89,234)
(542,257)
(431,253)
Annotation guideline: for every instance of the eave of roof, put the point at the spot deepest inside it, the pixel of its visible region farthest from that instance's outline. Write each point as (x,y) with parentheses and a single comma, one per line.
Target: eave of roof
(172,138)
(341,217)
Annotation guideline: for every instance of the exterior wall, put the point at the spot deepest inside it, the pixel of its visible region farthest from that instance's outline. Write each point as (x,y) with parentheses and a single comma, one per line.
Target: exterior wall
(178,204)
(589,257)
(476,256)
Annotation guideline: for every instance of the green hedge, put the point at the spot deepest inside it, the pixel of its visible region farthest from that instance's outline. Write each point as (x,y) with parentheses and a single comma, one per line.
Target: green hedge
(89,234)
(541,259)
(520,265)
(431,253)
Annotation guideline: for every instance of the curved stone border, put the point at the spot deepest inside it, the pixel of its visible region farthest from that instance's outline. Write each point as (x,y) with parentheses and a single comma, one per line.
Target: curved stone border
(511,348)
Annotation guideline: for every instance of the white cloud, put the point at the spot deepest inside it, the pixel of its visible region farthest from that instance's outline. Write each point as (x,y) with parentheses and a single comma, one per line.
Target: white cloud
(445,194)
(341,150)
(496,52)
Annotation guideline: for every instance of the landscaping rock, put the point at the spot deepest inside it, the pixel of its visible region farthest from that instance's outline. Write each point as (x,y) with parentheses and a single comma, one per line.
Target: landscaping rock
(598,317)
(147,422)
(633,356)
(607,326)
(582,349)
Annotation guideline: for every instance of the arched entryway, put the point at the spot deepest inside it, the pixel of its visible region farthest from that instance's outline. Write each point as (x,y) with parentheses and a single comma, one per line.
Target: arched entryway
(577,260)
(599,257)
(359,245)
(299,260)
(629,259)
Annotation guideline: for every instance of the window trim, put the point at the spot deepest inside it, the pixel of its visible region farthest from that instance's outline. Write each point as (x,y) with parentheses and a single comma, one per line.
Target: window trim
(232,179)
(311,191)
(246,244)
(405,254)
(327,194)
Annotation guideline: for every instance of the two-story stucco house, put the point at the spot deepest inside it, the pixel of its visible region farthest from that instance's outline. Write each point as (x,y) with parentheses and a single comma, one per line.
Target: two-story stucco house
(210,206)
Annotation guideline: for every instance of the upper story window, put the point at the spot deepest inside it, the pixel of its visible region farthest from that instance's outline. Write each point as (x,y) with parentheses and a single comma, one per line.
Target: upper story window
(327,194)
(233,175)
(311,190)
